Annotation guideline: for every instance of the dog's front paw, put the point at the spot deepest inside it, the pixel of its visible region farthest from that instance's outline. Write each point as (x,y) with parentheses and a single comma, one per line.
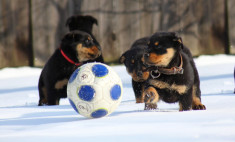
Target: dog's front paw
(150,106)
(151,97)
(199,107)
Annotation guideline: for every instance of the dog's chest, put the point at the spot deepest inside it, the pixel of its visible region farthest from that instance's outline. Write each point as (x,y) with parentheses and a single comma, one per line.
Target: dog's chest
(180,89)
(68,70)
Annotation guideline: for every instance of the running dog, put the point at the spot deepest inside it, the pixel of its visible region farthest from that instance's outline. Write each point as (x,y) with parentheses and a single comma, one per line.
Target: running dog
(173,74)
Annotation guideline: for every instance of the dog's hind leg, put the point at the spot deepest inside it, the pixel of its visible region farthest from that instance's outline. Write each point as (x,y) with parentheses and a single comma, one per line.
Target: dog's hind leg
(185,101)
(138,88)
(197,105)
(42,92)
(196,93)
(52,97)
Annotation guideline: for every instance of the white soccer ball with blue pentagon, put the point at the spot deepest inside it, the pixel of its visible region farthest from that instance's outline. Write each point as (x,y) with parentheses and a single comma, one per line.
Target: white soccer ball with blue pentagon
(94,90)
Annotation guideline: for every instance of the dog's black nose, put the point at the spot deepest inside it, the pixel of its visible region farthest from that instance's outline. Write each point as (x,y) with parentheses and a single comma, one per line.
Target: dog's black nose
(92,55)
(139,74)
(99,47)
(146,55)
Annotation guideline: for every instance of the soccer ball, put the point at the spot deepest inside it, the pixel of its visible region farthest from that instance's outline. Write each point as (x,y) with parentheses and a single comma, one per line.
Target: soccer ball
(94,90)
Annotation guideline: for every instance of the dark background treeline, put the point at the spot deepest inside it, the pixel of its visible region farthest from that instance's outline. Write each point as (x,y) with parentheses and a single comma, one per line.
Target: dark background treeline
(30,30)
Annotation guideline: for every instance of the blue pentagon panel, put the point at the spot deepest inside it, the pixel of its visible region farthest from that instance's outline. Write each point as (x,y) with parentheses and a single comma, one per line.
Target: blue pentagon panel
(100,70)
(86,93)
(115,92)
(99,113)
(74,75)
(73,105)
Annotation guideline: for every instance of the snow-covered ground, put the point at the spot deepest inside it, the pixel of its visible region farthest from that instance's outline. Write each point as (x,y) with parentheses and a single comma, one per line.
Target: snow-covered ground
(21,120)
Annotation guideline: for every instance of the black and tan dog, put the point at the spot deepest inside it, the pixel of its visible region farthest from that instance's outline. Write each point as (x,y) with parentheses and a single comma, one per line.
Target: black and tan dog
(84,23)
(132,59)
(76,48)
(173,77)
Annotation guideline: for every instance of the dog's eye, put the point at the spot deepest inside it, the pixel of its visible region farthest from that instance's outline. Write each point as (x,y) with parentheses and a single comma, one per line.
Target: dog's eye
(90,39)
(132,61)
(87,41)
(144,68)
(179,40)
(146,55)
(156,43)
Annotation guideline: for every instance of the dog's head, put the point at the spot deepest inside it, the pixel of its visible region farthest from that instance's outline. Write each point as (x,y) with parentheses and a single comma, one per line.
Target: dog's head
(79,46)
(162,48)
(80,22)
(133,60)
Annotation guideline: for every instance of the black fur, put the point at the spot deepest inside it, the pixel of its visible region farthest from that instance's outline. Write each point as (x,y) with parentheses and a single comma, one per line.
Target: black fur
(165,48)
(84,23)
(132,59)
(56,72)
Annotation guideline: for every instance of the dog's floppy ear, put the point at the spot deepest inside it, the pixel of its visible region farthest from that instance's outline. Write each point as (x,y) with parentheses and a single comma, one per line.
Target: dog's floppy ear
(122,59)
(93,20)
(179,41)
(67,38)
(69,21)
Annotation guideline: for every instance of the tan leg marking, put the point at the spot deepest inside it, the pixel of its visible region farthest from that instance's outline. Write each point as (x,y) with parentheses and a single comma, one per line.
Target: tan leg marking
(181,107)
(57,102)
(197,105)
(181,89)
(44,100)
(60,84)
(141,99)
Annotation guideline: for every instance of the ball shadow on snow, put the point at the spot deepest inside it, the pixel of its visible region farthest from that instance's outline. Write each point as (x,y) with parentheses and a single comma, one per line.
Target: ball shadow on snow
(46,115)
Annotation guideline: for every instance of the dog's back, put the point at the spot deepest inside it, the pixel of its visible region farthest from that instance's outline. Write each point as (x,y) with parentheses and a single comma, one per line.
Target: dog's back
(140,43)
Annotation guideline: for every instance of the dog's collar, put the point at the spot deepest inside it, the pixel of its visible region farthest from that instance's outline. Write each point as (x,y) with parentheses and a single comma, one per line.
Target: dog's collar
(68,59)
(172,71)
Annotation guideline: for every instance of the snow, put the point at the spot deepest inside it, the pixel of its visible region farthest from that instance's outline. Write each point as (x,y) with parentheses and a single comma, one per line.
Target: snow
(22,120)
